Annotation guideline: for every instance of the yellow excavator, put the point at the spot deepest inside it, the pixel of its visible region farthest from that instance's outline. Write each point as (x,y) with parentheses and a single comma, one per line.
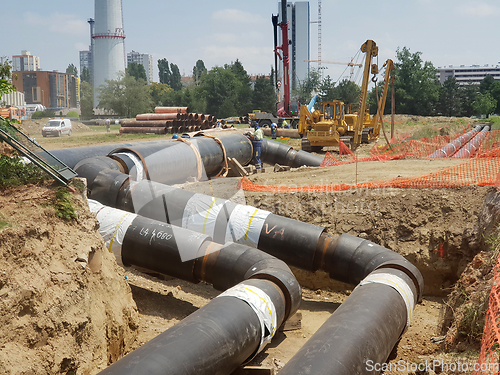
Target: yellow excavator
(330,124)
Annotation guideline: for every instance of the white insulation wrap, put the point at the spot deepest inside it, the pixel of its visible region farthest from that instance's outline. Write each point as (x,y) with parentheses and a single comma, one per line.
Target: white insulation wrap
(245,224)
(138,169)
(261,303)
(200,213)
(113,225)
(396,283)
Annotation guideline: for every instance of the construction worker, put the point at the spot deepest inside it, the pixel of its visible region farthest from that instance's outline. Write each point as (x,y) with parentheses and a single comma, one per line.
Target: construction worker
(285,124)
(273,130)
(257,145)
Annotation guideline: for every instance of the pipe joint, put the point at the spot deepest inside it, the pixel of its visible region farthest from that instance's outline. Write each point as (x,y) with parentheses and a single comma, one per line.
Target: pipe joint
(235,263)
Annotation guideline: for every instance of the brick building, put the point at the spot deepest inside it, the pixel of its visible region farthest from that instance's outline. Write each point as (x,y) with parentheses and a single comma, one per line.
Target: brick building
(52,89)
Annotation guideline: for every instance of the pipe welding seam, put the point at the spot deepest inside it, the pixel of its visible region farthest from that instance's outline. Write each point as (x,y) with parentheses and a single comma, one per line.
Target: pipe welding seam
(396,283)
(263,306)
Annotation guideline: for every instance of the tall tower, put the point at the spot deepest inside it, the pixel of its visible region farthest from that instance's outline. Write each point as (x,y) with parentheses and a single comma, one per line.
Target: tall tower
(109,43)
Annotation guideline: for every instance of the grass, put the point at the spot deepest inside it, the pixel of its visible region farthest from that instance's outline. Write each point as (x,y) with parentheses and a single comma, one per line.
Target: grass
(13,172)
(4,223)
(64,207)
(494,122)
(472,322)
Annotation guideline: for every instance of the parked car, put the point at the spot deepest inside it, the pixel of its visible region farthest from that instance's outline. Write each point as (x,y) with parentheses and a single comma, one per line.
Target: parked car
(57,127)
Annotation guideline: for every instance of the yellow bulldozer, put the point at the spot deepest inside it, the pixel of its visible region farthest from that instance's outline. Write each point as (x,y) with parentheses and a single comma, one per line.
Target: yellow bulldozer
(330,123)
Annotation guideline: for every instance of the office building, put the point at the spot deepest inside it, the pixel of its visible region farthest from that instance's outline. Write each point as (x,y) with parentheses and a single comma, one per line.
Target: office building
(473,74)
(51,89)
(25,62)
(145,60)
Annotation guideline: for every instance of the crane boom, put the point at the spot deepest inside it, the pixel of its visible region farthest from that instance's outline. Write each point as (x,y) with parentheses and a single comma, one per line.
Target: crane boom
(371,50)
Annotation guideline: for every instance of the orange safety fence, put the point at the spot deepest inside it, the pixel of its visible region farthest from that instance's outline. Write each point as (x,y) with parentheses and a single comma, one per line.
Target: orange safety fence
(481,170)
(489,358)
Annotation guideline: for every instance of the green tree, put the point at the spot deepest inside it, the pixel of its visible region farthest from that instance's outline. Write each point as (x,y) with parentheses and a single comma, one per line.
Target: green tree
(484,104)
(137,71)
(468,94)
(126,96)
(159,93)
(85,75)
(307,87)
(218,87)
(495,93)
(243,88)
(347,91)
(5,78)
(199,70)
(175,78)
(71,69)
(263,95)
(486,84)
(450,98)
(164,71)
(86,100)
(416,84)
(326,89)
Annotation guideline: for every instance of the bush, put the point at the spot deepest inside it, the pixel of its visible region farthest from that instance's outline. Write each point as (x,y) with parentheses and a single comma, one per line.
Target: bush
(14,172)
(42,114)
(72,114)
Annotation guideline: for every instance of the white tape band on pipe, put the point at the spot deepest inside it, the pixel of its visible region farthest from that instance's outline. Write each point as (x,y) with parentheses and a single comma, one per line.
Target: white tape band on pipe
(200,213)
(263,306)
(245,224)
(139,168)
(113,224)
(396,283)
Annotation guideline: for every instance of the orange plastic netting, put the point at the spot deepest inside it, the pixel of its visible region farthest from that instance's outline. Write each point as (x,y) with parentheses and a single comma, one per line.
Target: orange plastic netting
(480,170)
(489,358)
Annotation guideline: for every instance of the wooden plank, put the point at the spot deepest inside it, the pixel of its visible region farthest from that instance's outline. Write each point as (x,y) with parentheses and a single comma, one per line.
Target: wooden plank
(236,168)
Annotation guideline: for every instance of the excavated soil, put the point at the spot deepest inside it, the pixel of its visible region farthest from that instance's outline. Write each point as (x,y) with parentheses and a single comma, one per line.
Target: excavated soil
(65,305)
(62,314)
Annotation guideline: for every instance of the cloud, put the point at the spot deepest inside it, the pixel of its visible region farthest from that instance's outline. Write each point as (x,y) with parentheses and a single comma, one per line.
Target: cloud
(236,18)
(58,23)
(478,9)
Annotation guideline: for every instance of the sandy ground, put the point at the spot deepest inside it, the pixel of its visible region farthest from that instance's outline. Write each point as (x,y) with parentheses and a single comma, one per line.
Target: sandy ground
(412,222)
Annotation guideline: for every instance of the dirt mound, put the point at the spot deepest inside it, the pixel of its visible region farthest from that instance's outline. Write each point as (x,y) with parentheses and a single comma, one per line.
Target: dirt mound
(435,229)
(34,127)
(66,307)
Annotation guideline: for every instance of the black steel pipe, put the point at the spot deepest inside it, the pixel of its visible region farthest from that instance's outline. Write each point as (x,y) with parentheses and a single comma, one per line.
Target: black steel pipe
(276,152)
(358,337)
(215,339)
(220,343)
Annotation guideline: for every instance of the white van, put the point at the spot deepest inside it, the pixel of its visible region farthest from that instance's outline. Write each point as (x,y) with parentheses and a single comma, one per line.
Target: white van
(57,127)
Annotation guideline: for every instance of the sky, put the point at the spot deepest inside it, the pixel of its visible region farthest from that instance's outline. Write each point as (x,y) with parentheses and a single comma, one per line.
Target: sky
(446,32)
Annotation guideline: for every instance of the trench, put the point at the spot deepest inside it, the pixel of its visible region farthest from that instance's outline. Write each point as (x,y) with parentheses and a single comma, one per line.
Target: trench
(372,223)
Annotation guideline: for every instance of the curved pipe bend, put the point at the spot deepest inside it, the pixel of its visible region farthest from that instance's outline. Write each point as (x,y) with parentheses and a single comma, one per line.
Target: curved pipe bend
(223,334)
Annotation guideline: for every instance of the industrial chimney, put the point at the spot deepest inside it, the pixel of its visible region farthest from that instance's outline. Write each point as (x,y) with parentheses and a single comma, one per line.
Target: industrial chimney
(109,43)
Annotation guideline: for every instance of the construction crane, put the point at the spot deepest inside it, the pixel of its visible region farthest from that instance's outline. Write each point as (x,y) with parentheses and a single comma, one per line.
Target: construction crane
(351,64)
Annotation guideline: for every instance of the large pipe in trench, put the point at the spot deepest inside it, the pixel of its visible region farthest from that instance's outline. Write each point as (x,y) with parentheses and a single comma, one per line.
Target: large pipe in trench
(345,258)
(452,147)
(261,293)
(471,148)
